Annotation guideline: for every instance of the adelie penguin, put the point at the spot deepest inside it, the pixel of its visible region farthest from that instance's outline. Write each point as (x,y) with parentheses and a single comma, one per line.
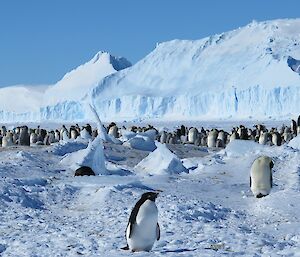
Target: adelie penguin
(261,176)
(142,228)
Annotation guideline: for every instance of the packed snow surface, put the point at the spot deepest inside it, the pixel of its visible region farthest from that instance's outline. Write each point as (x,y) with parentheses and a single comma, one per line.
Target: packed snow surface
(250,72)
(208,211)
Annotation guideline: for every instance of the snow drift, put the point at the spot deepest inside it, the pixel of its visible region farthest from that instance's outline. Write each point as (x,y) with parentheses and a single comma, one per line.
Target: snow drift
(252,71)
(160,162)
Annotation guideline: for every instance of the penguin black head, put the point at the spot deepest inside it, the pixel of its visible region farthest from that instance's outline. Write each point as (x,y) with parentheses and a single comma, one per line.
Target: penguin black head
(149,196)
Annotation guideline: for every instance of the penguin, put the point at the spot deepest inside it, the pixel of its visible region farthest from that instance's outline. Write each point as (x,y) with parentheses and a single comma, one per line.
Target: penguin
(88,127)
(24,136)
(220,143)
(242,132)
(64,135)
(192,135)
(182,130)
(113,131)
(261,176)
(172,139)
(85,134)
(84,171)
(298,121)
(163,137)
(276,138)
(287,135)
(263,138)
(33,138)
(94,133)
(222,137)
(143,228)
(7,140)
(203,141)
(212,138)
(73,132)
(57,135)
(294,127)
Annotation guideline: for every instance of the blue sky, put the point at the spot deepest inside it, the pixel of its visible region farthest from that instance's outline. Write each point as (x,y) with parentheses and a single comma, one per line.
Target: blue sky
(41,40)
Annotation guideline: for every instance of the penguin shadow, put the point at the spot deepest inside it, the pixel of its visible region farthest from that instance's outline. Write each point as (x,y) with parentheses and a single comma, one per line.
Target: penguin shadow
(180,250)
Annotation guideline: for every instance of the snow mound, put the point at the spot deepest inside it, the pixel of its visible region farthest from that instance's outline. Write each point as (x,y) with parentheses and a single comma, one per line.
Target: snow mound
(295,143)
(64,147)
(92,157)
(141,143)
(160,162)
(238,148)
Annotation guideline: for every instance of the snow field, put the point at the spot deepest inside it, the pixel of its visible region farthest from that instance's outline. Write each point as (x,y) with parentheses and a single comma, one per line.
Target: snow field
(209,211)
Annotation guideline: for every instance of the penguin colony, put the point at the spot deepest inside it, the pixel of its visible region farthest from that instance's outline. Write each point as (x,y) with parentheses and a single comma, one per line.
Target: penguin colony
(182,135)
(143,229)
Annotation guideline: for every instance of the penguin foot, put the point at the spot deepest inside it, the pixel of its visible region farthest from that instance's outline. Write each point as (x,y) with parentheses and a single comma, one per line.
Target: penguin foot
(125,248)
(260,195)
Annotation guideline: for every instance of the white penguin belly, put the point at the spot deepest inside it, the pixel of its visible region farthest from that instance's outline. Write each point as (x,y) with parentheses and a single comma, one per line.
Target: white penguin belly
(261,180)
(144,231)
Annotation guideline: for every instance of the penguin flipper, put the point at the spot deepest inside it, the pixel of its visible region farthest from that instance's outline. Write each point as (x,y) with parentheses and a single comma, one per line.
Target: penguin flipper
(250,181)
(271,180)
(130,225)
(157,232)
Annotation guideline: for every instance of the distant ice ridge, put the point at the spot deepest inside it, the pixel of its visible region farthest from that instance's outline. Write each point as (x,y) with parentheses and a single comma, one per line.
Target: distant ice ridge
(249,72)
(252,71)
(63,100)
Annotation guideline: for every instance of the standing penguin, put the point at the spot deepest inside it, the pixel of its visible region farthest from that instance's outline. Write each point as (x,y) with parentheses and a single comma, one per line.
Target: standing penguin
(212,138)
(143,229)
(261,176)
(192,135)
(24,138)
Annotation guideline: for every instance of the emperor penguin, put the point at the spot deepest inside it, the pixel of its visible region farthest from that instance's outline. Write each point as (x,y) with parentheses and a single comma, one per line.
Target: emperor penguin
(24,136)
(276,138)
(142,228)
(33,138)
(113,131)
(64,135)
(73,132)
(212,138)
(57,135)
(234,135)
(7,140)
(222,137)
(294,127)
(261,176)
(163,137)
(263,138)
(85,134)
(192,135)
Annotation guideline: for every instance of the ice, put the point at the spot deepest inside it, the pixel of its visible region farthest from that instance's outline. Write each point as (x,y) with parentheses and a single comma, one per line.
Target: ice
(250,72)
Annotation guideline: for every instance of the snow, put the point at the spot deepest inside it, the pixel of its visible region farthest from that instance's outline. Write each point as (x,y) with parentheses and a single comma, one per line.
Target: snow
(238,74)
(75,84)
(161,161)
(252,71)
(295,143)
(209,211)
(63,100)
(141,143)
